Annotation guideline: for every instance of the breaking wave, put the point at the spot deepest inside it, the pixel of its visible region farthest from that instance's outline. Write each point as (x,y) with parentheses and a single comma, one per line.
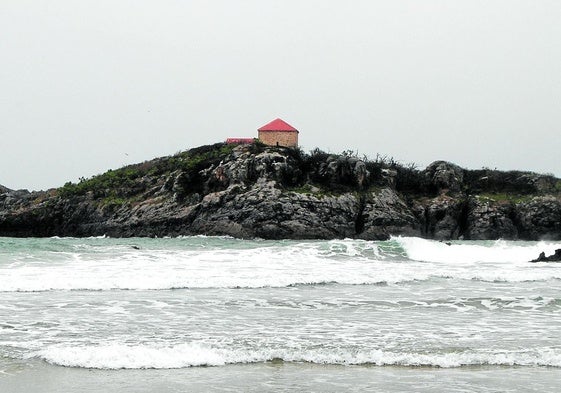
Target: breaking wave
(117,356)
(106,264)
(474,251)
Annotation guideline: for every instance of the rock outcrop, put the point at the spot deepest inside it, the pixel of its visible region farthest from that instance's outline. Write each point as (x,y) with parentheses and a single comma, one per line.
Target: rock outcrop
(555,257)
(489,219)
(255,191)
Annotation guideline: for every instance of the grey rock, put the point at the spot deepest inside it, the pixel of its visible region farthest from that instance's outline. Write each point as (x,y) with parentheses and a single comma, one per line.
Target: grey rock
(276,193)
(540,218)
(385,214)
(3,189)
(555,257)
(440,217)
(445,176)
(490,220)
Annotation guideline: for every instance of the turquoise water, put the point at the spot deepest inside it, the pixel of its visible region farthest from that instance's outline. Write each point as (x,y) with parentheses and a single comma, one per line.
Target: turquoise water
(212,313)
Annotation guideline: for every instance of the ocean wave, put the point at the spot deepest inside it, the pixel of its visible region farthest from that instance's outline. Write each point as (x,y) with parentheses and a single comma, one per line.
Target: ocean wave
(118,356)
(419,249)
(78,238)
(166,278)
(221,263)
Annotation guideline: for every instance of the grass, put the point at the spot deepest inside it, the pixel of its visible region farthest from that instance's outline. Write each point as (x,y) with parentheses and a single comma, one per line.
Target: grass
(114,201)
(504,197)
(112,179)
(313,190)
(311,175)
(191,160)
(116,186)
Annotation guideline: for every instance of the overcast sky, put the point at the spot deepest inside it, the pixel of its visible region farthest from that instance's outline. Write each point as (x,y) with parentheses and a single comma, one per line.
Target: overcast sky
(87,86)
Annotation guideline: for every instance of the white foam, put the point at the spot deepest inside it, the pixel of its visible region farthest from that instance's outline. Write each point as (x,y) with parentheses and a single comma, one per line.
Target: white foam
(498,261)
(122,268)
(117,356)
(273,264)
(468,252)
(71,237)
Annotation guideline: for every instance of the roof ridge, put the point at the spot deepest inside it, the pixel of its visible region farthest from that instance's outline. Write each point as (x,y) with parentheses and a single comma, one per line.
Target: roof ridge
(277,125)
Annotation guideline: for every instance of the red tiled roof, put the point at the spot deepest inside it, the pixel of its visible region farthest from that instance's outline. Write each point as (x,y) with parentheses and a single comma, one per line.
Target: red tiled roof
(277,125)
(240,140)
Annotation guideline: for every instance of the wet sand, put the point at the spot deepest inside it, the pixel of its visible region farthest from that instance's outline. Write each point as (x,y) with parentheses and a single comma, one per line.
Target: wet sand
(37,376)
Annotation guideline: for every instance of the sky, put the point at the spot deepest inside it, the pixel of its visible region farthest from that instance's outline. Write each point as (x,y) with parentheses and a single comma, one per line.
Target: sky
(87,86)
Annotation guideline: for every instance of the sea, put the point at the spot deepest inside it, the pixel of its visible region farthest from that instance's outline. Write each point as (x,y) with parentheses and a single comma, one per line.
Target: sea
(218,314)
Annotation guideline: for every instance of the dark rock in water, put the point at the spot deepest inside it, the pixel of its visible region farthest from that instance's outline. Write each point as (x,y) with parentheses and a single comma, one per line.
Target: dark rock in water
(556,257)
(281,193)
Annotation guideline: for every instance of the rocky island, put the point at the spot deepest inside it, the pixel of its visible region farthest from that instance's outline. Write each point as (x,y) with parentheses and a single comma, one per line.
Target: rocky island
(253,190)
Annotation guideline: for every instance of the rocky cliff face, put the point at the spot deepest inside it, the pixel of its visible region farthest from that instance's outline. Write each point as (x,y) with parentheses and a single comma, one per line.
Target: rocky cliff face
(256,191)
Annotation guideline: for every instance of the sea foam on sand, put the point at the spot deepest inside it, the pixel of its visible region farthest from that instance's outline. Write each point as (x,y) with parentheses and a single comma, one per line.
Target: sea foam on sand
(119,356)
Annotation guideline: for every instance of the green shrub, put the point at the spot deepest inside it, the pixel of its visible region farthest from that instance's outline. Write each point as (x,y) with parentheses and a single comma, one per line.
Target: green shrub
(112,179)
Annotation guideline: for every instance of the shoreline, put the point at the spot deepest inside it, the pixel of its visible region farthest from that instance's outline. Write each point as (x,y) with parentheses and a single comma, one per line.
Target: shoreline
(38,376)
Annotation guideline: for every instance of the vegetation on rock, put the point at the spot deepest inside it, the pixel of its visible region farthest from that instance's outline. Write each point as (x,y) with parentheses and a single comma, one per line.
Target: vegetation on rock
(277,192)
